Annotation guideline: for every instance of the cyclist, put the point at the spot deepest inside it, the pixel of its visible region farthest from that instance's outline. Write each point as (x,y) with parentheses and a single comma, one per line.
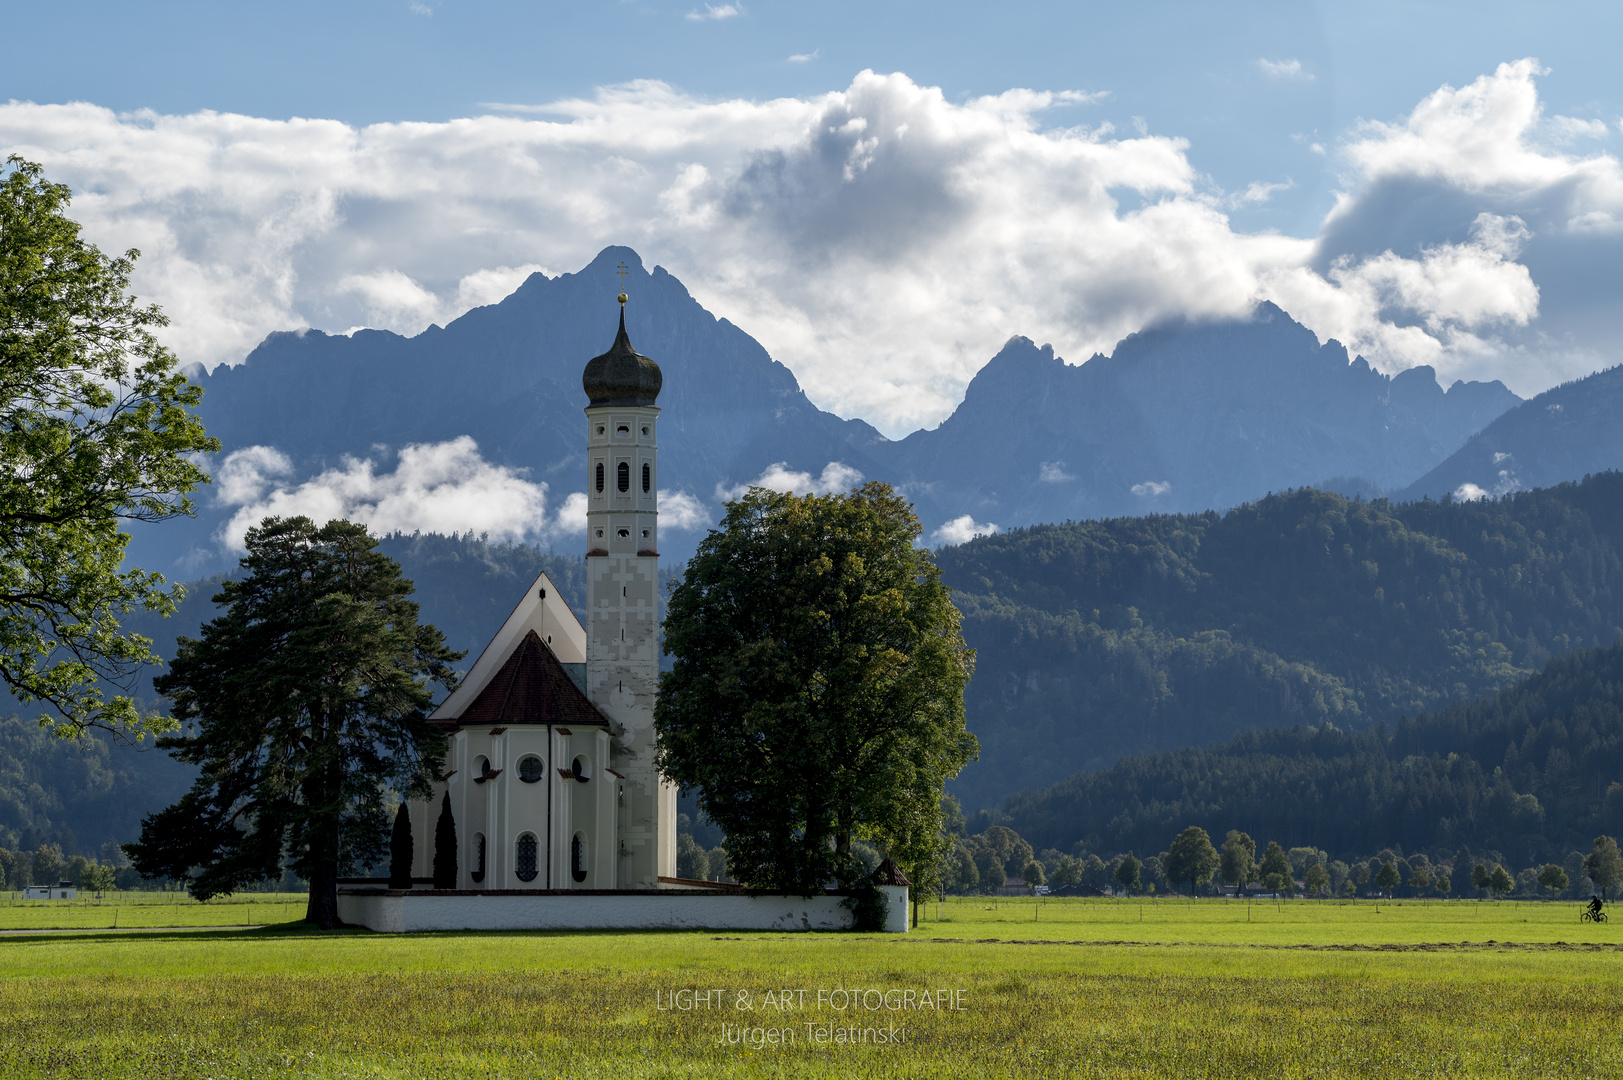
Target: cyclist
(1594,905)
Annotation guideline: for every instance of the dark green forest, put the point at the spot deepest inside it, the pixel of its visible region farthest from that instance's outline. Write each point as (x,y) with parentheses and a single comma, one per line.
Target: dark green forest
(1100,640)
(1532,771)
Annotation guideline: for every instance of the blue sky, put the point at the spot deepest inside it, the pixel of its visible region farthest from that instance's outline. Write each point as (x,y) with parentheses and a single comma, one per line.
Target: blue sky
(1370,166)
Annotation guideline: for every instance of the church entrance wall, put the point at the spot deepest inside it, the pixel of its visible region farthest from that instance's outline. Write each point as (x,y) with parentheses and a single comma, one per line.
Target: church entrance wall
(395,912)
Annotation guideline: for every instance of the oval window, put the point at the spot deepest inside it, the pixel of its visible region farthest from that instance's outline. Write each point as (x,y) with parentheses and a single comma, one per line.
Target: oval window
(624,430)
(481,770)
(647,476)
(577,858)
(478,873)
(524,858)
(600,476)
(645,431)
(581,770)
(623,476)
(600,429)
(530,769)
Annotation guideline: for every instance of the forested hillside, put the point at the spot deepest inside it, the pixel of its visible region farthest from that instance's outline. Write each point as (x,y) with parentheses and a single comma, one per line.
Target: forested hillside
(1102,639)
(1533,771)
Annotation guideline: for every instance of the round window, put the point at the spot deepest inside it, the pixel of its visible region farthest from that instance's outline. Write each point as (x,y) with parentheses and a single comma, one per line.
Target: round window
(481,769)
(582,769)
(530,769)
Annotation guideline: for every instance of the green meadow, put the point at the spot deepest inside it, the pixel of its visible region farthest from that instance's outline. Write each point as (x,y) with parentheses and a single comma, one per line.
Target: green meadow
(1007,988)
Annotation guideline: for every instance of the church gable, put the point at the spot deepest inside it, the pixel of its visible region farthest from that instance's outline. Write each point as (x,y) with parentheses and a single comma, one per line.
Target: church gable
(541,612)
(532,687)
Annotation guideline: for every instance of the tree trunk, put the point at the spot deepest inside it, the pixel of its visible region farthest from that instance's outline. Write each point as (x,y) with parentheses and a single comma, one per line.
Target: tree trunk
(322,910)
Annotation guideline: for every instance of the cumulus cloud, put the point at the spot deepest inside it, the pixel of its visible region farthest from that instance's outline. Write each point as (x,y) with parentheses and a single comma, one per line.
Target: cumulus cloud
(716,13)
(961,530)
(1469,493)
(880,240)
(681,511)
(836,476)
(1151,489)
(1053,472)
(804,58)
(435,487)
(1284,69)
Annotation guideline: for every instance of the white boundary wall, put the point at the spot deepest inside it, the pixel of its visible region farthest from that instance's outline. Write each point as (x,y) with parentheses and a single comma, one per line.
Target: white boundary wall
(674,909)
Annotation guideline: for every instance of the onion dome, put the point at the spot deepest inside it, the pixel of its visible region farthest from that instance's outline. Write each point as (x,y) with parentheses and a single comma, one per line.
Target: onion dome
(622,376)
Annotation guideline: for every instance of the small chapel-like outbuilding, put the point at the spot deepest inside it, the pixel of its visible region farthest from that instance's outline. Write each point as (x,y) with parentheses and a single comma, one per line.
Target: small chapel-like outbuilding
(551,768)
(562,818)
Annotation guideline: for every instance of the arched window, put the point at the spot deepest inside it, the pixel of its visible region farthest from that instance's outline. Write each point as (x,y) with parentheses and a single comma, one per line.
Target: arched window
(524,862)
(577,858)
(478,874)
(530,769)
(624,476)
(600,476)
(647,476)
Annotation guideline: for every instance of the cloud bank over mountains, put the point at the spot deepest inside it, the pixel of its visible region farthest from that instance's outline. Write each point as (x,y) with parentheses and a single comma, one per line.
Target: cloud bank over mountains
(882,241)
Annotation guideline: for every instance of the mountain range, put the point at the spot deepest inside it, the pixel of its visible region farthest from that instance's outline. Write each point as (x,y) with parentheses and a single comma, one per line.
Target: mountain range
(1183,416)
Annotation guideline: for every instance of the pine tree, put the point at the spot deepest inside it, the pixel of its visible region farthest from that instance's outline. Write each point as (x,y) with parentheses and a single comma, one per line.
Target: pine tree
(400,853)
(445,847)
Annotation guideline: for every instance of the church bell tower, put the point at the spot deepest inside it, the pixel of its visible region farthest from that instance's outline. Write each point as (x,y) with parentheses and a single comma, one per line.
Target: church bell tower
(622,598)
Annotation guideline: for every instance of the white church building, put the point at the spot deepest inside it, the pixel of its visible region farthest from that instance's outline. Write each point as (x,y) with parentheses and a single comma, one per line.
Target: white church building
(563,819)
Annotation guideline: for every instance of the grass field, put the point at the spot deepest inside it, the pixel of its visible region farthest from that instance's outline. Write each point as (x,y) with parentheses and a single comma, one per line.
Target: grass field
(1062,988)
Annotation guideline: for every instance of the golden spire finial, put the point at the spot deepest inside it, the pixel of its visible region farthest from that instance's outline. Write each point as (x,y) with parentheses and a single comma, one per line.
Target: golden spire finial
(622,270)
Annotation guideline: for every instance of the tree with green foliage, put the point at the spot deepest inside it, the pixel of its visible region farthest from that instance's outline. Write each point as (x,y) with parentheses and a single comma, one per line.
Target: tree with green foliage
(1239,862)
(1192,858)
(445,846)
(1441,883)
(1552,877)
(817,694)
(1480,876)
(692,861)
(995,876)
(1033,876)
(97,878)
(1500,882)
(1066,873)
(1419,878)
(1275,869)
(1127,873)
(307,701)
(1604,865)
(1349,888)
(1387,877)
(96,428)
(1317,879)
(400,849)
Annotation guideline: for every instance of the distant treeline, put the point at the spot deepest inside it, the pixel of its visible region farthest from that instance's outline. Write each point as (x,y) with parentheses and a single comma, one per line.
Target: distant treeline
(1100,640)
(1531,771)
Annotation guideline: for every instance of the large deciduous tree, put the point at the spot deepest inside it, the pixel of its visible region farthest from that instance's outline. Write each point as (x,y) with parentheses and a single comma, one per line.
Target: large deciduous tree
(96,428)
(1604,864)
(1191,857)
(306,703)
(817,692)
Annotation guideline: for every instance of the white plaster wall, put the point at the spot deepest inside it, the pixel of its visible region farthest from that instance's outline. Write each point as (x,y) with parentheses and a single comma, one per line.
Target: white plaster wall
(396,913)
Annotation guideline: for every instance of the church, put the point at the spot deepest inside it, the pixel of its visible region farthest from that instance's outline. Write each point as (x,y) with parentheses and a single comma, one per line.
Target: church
(551,769)
(562,817)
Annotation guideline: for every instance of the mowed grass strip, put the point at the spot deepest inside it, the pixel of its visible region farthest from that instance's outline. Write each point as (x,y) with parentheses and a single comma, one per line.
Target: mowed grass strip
(135,910)
(283,1003)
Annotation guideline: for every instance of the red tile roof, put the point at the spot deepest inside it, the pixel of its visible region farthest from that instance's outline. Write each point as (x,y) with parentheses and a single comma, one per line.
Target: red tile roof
(532,687)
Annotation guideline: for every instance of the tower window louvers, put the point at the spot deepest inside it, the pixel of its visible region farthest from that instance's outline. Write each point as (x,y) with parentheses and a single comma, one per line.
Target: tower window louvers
(600,476)
(623,476)
(647,477)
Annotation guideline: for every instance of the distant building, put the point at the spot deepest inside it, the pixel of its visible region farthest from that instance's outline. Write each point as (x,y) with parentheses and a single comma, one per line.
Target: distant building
(65,890)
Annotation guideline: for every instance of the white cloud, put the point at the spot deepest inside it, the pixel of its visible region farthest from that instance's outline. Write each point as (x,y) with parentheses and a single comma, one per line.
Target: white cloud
(1053,472)
(1151,489)
(419,8)
(716,13)
(1469,493)
(245,474)
(435,487)
(805,57)
(1284,69)
(880,240)
(961,530)
(836,476)
(681,511)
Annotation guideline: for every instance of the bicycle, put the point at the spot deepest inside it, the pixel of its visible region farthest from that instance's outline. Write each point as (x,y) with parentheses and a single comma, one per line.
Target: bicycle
(1592,916)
